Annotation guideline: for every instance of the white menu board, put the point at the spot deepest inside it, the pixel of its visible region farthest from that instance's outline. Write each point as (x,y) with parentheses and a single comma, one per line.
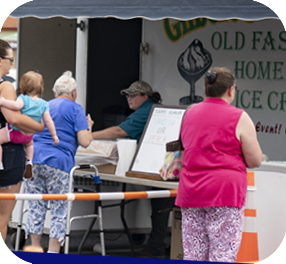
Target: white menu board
(163,126)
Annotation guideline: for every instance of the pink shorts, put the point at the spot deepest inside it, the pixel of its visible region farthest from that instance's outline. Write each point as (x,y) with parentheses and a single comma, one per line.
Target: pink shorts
(17,137)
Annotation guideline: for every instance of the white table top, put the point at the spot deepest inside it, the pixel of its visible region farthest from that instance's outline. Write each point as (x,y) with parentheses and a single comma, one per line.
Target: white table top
(132,180)
(266,166)
(272,166)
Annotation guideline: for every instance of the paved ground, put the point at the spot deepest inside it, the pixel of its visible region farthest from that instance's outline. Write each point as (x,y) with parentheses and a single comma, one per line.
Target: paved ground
(113,242)
(116,244)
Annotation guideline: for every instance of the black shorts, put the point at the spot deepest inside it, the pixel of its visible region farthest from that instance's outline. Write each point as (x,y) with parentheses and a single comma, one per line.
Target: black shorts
(14,164)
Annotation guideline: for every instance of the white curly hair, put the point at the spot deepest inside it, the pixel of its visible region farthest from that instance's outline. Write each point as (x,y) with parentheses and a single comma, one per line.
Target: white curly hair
(65,84)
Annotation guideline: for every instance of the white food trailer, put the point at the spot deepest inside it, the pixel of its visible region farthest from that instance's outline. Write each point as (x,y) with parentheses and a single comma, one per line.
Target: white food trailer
(169,44)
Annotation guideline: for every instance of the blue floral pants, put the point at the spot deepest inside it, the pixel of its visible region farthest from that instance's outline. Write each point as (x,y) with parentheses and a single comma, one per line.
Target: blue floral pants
(47,180)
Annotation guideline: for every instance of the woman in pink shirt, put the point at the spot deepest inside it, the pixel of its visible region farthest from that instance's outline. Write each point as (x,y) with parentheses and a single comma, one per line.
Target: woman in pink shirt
(220,143)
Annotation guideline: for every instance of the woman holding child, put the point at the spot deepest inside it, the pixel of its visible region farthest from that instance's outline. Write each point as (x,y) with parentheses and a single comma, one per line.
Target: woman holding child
(13,154)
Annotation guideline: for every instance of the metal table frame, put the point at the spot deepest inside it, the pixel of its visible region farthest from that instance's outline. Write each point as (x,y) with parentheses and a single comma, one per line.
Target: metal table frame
(127,180)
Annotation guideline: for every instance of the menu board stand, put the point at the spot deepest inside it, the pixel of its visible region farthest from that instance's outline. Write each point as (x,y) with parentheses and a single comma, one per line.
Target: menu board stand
(163,125)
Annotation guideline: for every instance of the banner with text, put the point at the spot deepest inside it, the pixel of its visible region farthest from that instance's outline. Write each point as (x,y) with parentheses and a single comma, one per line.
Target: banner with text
(180,52)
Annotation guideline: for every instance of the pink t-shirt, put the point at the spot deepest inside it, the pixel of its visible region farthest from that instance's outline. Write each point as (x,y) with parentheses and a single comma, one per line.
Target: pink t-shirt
(214,171)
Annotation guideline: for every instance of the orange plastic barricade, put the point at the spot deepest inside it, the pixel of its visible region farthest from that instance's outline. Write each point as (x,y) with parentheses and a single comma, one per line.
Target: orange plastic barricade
(248,251)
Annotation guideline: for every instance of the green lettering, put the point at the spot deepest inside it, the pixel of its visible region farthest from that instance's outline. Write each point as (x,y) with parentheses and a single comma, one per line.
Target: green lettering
(179,29)
(248,65)
(216,46)
(239,69)
(269,41)
(237,98)
(269,100)
(191,25)
(256,39)
(277,70)
(282,37)
(282,101)
(264,72)
(225,42)
(173,32)
(256,99)
(239,46)
(242,99)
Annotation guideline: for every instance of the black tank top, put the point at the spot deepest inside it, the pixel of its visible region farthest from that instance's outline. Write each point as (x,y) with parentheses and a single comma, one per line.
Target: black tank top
(2,118)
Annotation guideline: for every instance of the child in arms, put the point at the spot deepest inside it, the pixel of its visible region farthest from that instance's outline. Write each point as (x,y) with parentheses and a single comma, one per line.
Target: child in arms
(29,103)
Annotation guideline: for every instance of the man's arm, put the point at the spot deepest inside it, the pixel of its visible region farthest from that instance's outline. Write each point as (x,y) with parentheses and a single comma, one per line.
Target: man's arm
(110,133)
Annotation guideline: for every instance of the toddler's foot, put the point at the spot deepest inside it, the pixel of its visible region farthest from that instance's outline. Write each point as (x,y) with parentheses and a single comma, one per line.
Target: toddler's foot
(1,166)
(28,172)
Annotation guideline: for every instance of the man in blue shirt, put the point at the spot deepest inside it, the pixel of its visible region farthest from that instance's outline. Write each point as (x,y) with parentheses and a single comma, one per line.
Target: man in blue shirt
(141,98)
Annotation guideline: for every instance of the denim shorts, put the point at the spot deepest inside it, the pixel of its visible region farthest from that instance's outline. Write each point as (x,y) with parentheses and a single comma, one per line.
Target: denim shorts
(14,164)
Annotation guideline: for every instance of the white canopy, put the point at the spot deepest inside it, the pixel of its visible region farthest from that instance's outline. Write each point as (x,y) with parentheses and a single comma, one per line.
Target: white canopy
(151,9)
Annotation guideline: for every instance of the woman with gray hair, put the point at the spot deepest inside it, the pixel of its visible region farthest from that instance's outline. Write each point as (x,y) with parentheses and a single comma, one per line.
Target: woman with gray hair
(52,163)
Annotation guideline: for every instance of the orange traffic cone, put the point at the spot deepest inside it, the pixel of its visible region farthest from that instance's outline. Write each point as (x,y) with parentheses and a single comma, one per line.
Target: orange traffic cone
(248,251)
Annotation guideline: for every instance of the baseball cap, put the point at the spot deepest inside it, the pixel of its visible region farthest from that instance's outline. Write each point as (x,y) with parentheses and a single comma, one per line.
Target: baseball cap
(137,87)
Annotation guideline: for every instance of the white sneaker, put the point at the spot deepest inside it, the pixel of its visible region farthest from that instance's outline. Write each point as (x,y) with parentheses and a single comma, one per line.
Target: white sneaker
(28,171)
(97,248)
(1,166)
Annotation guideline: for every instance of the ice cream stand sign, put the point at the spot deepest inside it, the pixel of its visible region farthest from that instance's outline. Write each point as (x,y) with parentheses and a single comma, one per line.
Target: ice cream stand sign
(180,52)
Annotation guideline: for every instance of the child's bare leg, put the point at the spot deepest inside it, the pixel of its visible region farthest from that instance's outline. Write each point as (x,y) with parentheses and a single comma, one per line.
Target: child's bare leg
(3,139)
(29,156)
(29,150)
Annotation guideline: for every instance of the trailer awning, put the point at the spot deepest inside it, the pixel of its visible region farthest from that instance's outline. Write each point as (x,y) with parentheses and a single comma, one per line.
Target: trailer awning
(150,9)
